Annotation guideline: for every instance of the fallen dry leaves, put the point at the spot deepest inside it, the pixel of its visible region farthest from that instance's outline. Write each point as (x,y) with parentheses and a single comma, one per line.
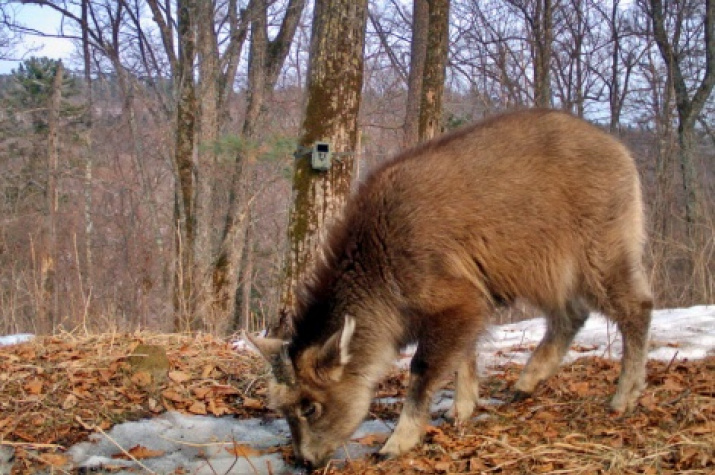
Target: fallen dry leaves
(55,391)
(138,452)
(567,427)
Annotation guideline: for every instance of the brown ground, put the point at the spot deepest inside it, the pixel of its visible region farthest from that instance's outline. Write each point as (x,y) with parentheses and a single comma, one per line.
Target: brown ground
(55,391)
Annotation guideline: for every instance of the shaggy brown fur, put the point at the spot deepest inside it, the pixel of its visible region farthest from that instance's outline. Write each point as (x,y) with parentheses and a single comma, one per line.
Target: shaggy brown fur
(535,205)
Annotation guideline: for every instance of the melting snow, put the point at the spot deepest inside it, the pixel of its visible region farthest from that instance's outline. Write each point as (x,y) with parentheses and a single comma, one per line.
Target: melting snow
(15,339)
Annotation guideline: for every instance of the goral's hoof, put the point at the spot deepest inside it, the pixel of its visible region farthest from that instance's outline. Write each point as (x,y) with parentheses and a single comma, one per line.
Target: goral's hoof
(381,457)
(519,396)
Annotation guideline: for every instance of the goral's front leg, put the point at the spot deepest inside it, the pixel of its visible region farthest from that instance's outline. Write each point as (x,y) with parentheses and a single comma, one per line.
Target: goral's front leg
(408,433)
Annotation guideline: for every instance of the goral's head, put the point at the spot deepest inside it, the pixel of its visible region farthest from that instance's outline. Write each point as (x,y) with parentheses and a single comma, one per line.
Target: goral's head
(322,401)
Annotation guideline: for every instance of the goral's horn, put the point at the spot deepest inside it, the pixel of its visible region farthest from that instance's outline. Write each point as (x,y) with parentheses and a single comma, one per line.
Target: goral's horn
(275,352)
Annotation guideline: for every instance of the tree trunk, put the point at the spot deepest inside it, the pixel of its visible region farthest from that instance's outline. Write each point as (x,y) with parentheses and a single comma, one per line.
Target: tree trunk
(49,264)
(266,58)
(242,313)
(208,126)
(185,317)
(418,53)
(688,108)
(89,158)
(430,122)
(614,91)
(334,94)
(265,63)
(256,66)
(543,40)
(238,30)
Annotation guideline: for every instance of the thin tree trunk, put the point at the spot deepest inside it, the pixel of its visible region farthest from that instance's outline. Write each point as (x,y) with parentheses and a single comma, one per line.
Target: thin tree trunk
(664,156)
(88,163)
(578,51)
(430,121)
(242,314)
(49,266)
(689,108)
(543,38)
(265,63)
(185,317)
(257,62)
(614,92)
(418,53)
(228,64)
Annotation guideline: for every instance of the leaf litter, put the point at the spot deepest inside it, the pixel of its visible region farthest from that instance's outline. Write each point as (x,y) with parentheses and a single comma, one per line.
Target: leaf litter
(57,391)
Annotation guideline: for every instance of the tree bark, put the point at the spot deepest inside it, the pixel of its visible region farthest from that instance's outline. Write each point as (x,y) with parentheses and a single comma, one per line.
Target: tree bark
(242,314)
(89,156)
(265,63)
(688,108)
(430,122)
(49,269)
(184,304)
(418,53)
(208,125)
(543,38)
(334,95)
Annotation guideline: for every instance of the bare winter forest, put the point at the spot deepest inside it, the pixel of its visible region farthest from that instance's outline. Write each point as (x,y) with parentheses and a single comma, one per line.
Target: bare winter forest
(150,181)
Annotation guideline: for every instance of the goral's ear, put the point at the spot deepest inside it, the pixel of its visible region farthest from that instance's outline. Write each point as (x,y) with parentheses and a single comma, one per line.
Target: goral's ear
(335,353)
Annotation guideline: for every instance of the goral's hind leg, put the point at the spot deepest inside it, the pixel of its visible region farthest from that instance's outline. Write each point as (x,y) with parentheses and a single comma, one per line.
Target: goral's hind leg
(562,326)
(630,305)
(466,392)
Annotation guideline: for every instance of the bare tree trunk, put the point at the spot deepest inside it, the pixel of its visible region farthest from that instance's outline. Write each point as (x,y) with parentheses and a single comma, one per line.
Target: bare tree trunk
(89,158)
(578,37)
(238,30)
(265,62)
(418,53)
(184,305)
(543,38)
(664,157)
(242,314)
(614,92)
(430,122)
(49,265)
(688,108)
(266,58)
(334,95)
(208,126)
(256,66)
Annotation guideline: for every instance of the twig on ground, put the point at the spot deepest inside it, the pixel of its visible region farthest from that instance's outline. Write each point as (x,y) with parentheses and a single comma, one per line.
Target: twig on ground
(667,368)
(31,445)
(99,429)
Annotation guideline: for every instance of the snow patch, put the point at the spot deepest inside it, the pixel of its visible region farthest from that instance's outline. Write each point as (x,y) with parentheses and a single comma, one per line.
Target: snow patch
(15,339)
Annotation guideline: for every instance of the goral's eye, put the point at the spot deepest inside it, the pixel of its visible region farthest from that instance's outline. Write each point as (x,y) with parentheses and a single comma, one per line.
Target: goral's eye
(310,409)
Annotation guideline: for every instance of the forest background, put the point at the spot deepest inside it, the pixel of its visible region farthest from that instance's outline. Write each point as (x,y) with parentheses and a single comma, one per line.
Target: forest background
(149,181)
